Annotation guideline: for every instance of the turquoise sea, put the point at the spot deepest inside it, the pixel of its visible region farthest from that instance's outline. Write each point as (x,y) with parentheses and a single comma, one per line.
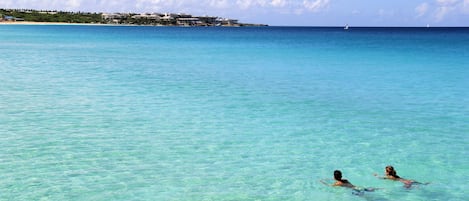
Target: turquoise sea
(212,113)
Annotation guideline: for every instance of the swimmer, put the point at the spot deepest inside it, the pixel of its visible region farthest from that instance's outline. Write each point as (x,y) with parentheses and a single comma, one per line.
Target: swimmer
(391,174)
(345,183)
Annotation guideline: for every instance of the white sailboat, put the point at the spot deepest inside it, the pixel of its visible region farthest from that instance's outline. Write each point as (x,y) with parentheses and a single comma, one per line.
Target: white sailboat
(346,27)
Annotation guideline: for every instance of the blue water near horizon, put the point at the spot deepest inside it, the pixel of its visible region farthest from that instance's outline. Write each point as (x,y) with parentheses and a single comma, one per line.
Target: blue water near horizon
(216,113)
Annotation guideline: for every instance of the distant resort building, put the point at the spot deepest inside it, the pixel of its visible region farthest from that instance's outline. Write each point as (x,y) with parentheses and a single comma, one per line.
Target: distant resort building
(146,19)
(207,20)
(188,21)
(48,12)
(168,19)
(148,16)
(229,22)
(114,18)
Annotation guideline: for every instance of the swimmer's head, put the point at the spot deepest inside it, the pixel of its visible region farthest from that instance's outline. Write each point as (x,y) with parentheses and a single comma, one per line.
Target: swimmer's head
(337,175)
(390,171)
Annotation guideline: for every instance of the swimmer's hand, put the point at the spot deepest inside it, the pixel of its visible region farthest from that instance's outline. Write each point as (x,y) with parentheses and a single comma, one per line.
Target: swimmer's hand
(379,177)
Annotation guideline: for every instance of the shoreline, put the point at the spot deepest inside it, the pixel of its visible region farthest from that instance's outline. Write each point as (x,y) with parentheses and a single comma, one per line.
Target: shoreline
(99,24)
(85,24)
(56,23)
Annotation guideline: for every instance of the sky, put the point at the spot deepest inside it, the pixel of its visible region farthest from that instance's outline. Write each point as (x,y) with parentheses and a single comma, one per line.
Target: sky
(281,12)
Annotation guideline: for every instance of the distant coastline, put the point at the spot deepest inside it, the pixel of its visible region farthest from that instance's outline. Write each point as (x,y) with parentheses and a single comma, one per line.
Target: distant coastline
(50,23)
(50,17)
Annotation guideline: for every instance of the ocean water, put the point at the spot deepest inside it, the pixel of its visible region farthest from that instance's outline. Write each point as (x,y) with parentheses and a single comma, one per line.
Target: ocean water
(172,113)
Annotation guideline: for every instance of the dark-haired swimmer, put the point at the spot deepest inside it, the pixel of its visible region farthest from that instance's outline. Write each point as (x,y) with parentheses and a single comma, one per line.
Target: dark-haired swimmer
(345,183)
(391,174)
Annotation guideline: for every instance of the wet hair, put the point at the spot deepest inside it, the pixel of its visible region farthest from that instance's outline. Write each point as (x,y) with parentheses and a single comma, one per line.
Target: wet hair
(338,175)
(391,172)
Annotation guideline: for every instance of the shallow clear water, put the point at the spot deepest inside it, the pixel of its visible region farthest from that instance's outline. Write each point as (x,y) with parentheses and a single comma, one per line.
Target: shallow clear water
(161,113)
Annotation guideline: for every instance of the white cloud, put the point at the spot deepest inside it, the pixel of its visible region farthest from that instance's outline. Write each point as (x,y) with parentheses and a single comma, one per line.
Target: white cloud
(441,12)
(444,7)
(219,3)
(167,5)
(446,2)
(245,4)
(315,5)
(112,5)
(156,5)
(421,9)
(73,4)
(6,4)
(66,5)
(278,3)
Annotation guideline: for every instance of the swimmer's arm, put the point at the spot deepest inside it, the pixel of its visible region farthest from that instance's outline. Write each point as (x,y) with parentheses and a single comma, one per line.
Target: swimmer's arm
(379,177)
(325,183)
